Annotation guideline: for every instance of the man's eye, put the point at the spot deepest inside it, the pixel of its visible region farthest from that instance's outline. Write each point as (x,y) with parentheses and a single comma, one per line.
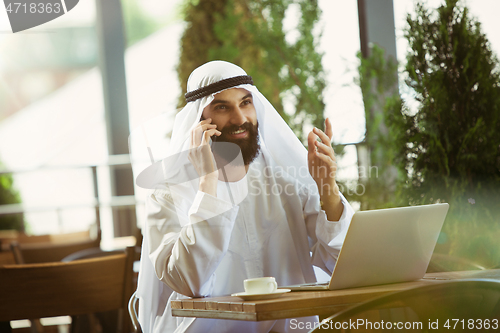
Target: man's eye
(218,107)
(247,101)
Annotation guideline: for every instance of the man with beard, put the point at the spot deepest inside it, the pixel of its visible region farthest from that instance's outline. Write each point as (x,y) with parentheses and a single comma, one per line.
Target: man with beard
(277,213)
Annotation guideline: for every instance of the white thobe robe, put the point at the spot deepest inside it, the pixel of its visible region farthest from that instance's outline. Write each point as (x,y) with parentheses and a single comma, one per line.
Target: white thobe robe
(278,229)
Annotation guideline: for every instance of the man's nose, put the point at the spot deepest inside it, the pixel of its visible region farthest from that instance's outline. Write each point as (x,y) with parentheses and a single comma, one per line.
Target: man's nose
(238,116)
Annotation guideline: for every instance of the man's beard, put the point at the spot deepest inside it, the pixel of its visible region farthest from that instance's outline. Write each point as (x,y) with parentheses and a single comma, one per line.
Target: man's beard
(249,146)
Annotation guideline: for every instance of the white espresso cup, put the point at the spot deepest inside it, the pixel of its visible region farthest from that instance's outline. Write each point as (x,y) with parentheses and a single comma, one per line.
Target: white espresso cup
(262,285)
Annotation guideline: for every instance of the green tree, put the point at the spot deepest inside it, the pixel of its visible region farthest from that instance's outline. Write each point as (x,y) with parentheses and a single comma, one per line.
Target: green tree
(449,147)
(8,195)
(378,82)
(250,34)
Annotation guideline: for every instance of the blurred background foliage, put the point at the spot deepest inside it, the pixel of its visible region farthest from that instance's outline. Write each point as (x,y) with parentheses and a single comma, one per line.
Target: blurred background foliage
(450,149)
(250,34)
(9,195)
(378,80)
(447,149)
(138,24)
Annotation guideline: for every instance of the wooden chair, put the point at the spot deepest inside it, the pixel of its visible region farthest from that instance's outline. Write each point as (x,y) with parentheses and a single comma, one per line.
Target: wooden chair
(12,236)
(107,321)
(31,252)
(6,238)
(133,304)
(70,237)
(7,258)
(6,255)
(68,288)
(418,308)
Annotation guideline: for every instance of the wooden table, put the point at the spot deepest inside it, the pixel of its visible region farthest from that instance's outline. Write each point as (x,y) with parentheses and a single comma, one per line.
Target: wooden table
(305,303)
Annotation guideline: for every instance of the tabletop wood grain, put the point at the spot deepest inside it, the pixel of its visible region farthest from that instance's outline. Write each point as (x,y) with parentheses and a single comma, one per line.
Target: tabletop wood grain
(305,303)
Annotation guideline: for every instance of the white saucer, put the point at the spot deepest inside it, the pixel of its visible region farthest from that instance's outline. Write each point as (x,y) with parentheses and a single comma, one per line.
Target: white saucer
(253,297)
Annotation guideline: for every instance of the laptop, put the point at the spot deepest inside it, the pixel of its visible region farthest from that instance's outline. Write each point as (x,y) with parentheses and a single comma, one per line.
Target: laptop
(385,246)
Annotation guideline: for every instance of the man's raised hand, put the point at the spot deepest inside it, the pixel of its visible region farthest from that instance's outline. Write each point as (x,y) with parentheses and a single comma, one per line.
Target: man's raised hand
(322,165)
